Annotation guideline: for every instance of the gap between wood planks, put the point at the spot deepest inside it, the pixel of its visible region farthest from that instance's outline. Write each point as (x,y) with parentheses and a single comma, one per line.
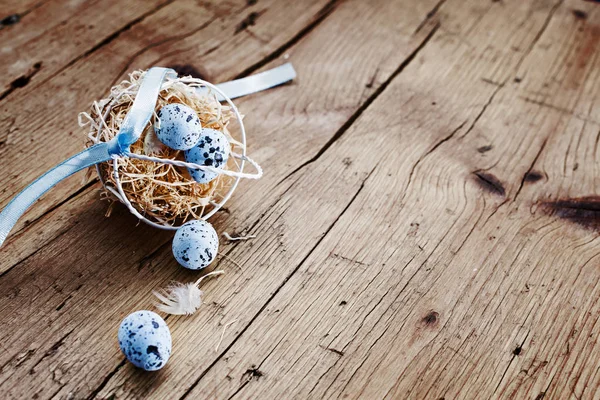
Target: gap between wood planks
(337,135)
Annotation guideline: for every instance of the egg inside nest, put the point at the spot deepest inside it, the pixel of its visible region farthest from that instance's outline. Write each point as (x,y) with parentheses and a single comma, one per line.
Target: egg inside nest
(163,193)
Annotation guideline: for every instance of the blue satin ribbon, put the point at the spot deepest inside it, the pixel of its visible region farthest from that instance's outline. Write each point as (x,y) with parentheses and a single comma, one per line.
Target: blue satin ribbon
(142,109)
(256,83)
(134,124)
(20,203)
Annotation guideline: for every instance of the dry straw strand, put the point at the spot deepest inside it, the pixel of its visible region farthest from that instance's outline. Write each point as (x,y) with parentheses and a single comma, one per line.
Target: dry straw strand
(237,238)
(223,334)
(160,192)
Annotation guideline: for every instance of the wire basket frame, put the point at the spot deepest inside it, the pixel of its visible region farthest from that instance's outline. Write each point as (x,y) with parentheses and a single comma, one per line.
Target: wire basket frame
(198,85)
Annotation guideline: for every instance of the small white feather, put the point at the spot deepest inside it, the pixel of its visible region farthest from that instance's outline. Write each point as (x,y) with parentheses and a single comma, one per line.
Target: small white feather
(182,299)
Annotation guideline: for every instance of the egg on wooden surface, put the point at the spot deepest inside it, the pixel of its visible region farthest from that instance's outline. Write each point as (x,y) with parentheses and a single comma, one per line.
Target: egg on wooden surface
(145,339)
(195,244)
(213,150)
(178,126)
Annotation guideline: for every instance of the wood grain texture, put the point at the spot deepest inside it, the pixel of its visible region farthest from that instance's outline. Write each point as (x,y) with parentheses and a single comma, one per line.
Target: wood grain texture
(49,36)
(427,226)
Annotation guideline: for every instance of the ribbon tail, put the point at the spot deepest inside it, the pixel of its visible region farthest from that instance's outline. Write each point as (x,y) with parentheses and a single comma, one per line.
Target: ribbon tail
(19,204)
(256,83)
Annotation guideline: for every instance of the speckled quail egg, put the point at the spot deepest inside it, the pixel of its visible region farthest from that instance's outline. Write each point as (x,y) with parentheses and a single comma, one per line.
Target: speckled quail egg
(178,126)
(145,339)
(212,149)
(195,244)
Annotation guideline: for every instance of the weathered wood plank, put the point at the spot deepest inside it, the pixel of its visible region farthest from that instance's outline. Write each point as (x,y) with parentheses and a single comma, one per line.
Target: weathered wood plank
(294,143)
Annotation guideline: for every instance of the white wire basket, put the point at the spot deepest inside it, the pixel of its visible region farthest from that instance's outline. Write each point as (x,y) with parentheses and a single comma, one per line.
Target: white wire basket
(103,125)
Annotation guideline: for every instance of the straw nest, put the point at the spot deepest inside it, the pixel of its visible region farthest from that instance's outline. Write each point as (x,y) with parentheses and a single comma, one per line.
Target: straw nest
(162,193)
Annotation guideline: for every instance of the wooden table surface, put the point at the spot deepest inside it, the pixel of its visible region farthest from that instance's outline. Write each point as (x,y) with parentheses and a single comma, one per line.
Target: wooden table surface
(427,226)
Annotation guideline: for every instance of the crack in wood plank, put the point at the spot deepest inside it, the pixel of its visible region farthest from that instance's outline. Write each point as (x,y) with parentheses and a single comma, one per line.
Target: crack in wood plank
(428,152)
(429,16)
(527,176)
(247,22)
(21,81)
(511,361)
(344,128)
(107,379)
(482,111)
(53,349)
(320,16)
(540,33)
(175,38)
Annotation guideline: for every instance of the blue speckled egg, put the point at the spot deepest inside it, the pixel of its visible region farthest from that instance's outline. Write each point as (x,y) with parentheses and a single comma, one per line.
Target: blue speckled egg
(212,149)
(145,339)
(195,244)
(179,126)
